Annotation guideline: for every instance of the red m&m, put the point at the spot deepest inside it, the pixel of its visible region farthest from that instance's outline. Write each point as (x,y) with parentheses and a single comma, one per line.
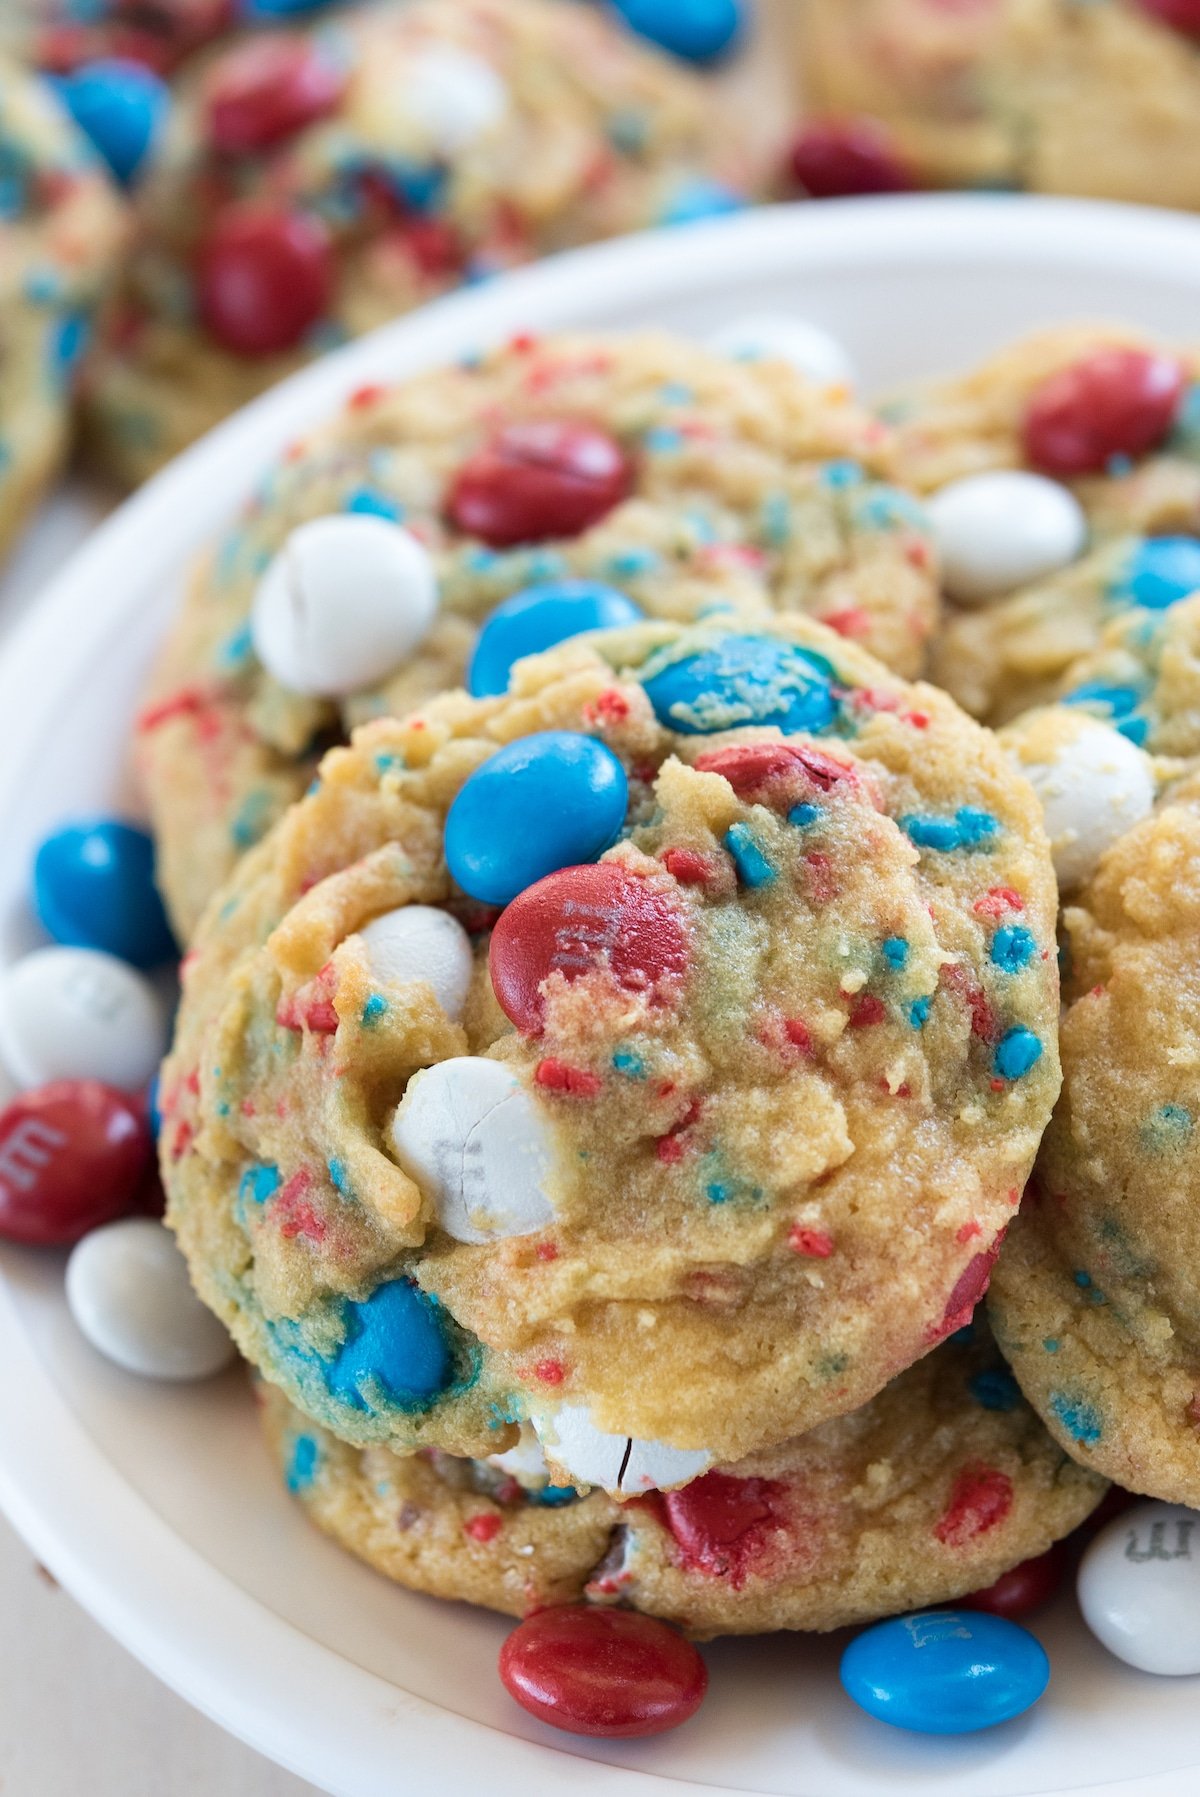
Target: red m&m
(1023,1588)
(579,921)
(265,90)
(603,1672)
(539,479)
(1180,15)
(840,158)
(73,1155)
(264,279)
(1117,402)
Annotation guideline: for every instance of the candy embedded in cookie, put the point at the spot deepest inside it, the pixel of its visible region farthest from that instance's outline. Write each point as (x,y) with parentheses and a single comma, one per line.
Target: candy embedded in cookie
(731,1115)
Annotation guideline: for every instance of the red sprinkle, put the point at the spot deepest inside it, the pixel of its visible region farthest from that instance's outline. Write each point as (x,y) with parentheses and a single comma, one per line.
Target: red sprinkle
(968,1289)
(853,621)
(547,1251)
(485,1526)
(363,398)
(982,1496)
(866,1011)
(814,1244)
(997,901)
(609,707)
(556,1076)
(968,1231)
(688,867)
(798,1034)
(1115,402)
(550,1372)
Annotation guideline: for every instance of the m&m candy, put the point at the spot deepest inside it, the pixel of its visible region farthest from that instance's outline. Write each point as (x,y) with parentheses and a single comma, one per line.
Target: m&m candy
(129,1293)
(71,1013)
(537,618)
(122,106)
(93,887)
(833,159)
(945,1672)
(1115,402)
(73,1155)
(265,90)
(539,479)
(603,1672)
(700,31)
(265,276)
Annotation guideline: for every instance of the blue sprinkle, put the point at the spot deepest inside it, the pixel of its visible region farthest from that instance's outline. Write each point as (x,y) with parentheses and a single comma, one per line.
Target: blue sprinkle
(627,562)
(253,817)
(718,1193)
(1166,1128)
(895,952)
(236,650)
(838,475)
(1078,1417)
(387,762)
(1083,1279)
(373,1010)
(776,519)
(552,1497)
(753,867)
(630,1064)
(340,1178)
(371,503)
(995,1388)
(663,439)
(258,1184)
(1136,729)
(918,1011)
(967,829)
(883,508)
(803,814)
(1013,947)
(1016,1052)
(302,1468)
(1051,1344)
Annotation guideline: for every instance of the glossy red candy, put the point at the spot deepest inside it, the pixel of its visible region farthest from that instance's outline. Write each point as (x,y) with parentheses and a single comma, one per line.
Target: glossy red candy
(265,90)
(539,479)
(73,1155)
(1024,1589)
(833,159)
(1180,15)
(1116,402)
(264,279)
(576,921)
(603,1672)
(759,770)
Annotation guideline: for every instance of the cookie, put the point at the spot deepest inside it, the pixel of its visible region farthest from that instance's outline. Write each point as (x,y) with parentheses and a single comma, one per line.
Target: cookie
(726,483)
(680,1153)
(1097,413)
(316,183)
(159,34)
(934,1489)
(1143,679)
(1095,1298)
(1044,95)
(61,226)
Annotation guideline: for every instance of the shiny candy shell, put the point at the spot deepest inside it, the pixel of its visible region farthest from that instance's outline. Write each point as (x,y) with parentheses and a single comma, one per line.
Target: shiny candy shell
(579,921)
(1139,1588)
(472,1138)
(541,803)
(394,1343)
(1098,786)
(419,942)
(1161,571)
(93,887)
(1113,403)
(744,680)
(1023,1588)
(129,1292)
(616,1463)
(834,159)
(121,106)
(1002,529)
(1180,15)
(945,1672)
(779,336)
(539,479)
(345,601)
(602,1672)
(537,618)
(265,277)
(71,1013)
(265,90)
(698,30)
(72,1156)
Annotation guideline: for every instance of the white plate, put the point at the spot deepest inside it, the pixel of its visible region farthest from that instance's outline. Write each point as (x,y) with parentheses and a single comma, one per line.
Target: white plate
(156,1507)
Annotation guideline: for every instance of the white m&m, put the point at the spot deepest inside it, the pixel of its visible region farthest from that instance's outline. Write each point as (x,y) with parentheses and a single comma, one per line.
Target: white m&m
(419,942)
(779,335)
(616,1463)
(452,97)
(1000,530)
(129,1293)
(471,1137)
(1093,783)
(1139,1588)
(74,1013)
(345,601)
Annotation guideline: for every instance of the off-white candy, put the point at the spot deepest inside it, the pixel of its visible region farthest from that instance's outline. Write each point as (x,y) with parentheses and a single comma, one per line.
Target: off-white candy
(129,1293)
(1098,786)
(1139,1588)
(418,942)
(526,1462)
(452,97)
(470,1135)
(1000,530)
(74,1013)
(345,601)
(594,1457)
(809,349)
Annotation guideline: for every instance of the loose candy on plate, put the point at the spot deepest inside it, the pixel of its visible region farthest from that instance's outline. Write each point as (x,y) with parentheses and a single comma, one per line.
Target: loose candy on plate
(93,887)
(780,335)
(419,942)
(538,618)
(603,1672)
(1093,784)
(347,598)
(72,1013)
(1139,1588)
(129,1292)
(73,1155)
(1003,529)
(945,1672)
(539,804)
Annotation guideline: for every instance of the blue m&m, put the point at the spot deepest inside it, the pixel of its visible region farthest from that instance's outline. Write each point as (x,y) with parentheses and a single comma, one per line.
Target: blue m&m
(394,1340)
(549,801)
(945,1672)
(121,106)
(745,680)
(697,30)
(1161,571)
(537,619)
(93,887)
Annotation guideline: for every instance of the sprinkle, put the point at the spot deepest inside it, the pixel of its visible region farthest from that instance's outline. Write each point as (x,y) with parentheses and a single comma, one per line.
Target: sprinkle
(967,829)
(302,1468)
(485,1526)
(1017,1051)
(997,900)
(803,815)
(663,439)
(752,865)
(373,1010)
(576,1082)
(866,1011)
(918,1011)
(550,1372)
(630,1064)
(369,502)
(895,952)
(1167,1128)
(995,1388)
(1013,948)
(814,1244)
(340,1178)
(688,867)
(982,1496)
(258,1184)
(1080,1419)
(842,474)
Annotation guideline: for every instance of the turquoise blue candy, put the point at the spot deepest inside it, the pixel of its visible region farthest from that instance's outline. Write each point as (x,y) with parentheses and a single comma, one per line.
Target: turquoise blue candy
(699,198)
(697,30)
(549,801)
(745,680)
(945,1672)
(394,1339)
(121,106)
(252,10)
(1162,571)
(537,619)
(93,887)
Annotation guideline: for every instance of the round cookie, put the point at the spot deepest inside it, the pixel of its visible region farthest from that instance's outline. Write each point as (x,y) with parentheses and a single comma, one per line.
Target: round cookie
(1031,407)
(1095,1294)
(934,1489)
(316,183)
(1047,95)
(61,226)
(744,486)
(780,1066)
